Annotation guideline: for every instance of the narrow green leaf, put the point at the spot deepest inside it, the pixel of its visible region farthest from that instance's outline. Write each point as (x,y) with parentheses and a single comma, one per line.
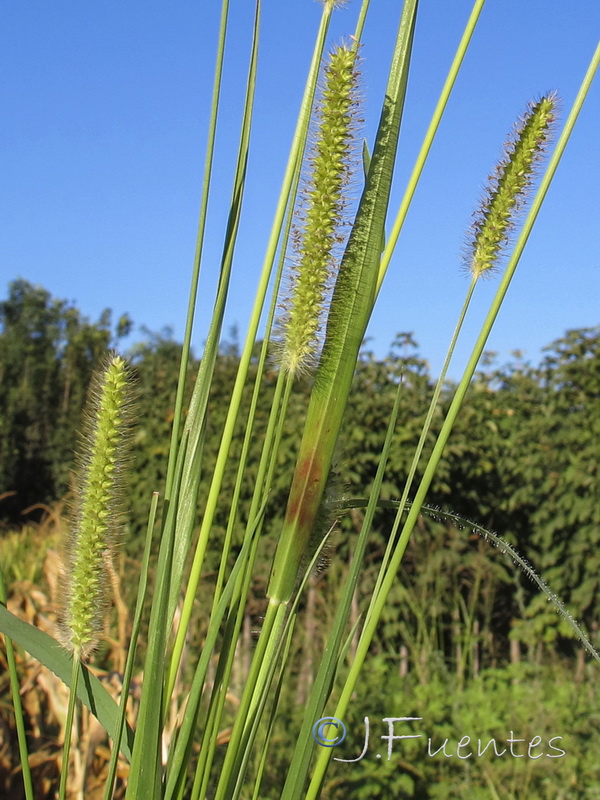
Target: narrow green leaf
(321,689)
(186,518)
(144,778)
(180,756)
(135,632)
(351,307)
(52,655)
(189,323)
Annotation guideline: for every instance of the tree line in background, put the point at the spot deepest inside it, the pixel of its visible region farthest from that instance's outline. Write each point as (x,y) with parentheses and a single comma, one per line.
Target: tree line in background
(522,461)
(467,643)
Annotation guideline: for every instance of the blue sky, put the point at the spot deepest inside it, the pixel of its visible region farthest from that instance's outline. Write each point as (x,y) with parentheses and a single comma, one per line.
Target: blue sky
(104,129)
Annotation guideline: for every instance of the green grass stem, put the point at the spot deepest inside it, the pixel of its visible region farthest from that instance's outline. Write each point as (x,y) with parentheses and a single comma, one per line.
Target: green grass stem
(130,662)
(267,659)
(264,754)
(423,437)
(428,139)
(236,397)
(178,761)
(351,307)
(278,408)
(254,529)
(195,424)
(64,772)
(189,324)
(145,774)
(268,641)
(17,705)
(305,745)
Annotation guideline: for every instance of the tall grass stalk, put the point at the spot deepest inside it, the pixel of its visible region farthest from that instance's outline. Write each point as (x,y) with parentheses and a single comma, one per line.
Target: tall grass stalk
(211,504)
(351,307)
(314,333)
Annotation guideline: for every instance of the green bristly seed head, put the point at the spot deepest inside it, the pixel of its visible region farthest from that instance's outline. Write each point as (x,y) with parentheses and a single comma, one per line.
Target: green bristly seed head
(507,187)
(318,235)
(96,508)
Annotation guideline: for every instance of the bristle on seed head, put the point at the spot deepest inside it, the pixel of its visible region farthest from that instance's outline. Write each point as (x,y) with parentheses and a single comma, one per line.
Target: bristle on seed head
(507,187)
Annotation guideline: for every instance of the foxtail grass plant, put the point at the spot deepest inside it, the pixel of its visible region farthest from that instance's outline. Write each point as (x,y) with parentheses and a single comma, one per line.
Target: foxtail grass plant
(326,258)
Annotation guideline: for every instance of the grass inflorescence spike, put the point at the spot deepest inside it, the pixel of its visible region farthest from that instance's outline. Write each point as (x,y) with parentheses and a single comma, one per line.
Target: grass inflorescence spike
(334,3)
(506,190)
(97,506)
(320,220)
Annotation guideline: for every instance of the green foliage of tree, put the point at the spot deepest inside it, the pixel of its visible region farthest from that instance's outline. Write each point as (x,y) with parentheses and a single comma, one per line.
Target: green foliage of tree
(47,353)
(522,461)
(562,469)
(519,702)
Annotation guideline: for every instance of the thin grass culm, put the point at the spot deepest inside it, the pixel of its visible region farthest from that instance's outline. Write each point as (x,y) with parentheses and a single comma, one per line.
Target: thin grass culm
(504,198)
(96,515)
(317,237)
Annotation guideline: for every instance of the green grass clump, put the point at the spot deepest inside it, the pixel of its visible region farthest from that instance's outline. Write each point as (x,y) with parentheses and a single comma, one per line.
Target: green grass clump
(184,710)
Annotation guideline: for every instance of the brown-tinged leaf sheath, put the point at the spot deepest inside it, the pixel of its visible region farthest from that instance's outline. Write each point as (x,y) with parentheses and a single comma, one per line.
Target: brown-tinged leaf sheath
(351,307)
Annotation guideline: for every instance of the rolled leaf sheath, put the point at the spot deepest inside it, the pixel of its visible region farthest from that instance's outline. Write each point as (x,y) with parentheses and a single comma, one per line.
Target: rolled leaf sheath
(308,485)
(351,307)
(330,168)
